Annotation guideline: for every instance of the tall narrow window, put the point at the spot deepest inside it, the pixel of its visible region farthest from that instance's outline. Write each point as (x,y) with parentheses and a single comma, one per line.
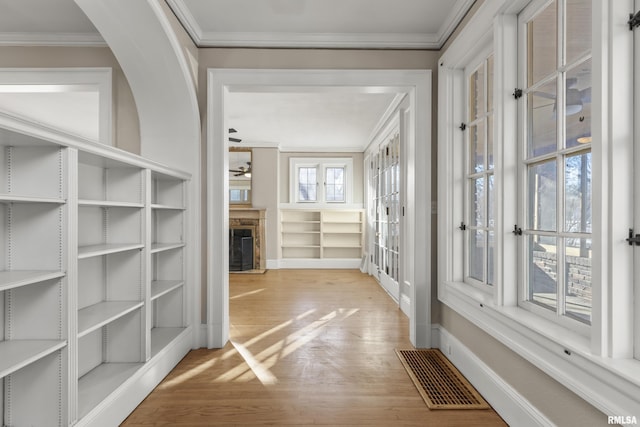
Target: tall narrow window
(557,161)
(479,174)
(307,184)
(334,184)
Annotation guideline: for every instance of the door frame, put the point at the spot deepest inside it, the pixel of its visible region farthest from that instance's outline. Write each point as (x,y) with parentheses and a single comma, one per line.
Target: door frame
(415,83)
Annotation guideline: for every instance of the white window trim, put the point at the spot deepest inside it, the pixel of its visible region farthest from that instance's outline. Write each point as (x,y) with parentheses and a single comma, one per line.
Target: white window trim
(598,368)
(471,68)
(97,79)
(321,163)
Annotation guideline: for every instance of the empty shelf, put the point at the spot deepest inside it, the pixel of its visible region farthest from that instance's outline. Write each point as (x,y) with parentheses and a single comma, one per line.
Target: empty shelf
(97,315)
(159,247)
(109,204)
(17,354)
(100,382)
(161,337)
(11,198)
(15,279)
(163,287)
(105,249)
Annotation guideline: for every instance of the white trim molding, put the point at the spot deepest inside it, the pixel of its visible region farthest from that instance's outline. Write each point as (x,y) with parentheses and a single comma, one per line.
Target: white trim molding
(98,80)
(514,408)
(415,83)
(52,39)
(203,38)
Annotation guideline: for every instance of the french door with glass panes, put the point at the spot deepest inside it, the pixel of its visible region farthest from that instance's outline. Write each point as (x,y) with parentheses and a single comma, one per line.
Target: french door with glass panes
(385,174)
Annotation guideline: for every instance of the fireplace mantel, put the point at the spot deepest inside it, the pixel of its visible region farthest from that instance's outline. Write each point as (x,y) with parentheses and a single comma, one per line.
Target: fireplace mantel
(246,217)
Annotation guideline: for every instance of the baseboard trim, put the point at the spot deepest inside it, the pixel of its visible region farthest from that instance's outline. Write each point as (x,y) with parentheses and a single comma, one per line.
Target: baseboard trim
(319,263)
(405,304)
(507,402)
(119,404)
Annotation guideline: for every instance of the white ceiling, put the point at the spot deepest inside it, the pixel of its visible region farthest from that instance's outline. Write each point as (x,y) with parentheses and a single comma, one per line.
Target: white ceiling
(405,24)
(293,121)
(306,121)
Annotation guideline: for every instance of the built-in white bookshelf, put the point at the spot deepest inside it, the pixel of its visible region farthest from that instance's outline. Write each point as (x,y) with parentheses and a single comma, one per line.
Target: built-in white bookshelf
(167,295)
(323,234)
(92,277)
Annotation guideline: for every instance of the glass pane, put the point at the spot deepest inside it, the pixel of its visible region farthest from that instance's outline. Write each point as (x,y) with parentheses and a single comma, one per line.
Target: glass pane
(490,258)
(578,28)
(542,196)
(476,254)
(577,193)
(542,120)
(307,184)
(490,142)
(335,184)
(543,271)
(490,83)
(476,94)
(542,42)
(477,206)
(578,272)
(490,203)
(476,147)
(578,100)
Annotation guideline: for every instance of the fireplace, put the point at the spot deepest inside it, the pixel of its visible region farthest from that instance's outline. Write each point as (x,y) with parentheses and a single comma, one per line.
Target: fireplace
(252,221)
(240,249)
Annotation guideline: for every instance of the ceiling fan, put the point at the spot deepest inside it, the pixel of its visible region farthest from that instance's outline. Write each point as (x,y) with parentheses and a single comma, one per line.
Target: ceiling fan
(232,139)
(574,98)
(242,171)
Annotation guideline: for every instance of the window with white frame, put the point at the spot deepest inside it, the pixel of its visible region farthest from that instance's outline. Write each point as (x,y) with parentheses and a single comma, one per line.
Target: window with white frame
(321,180)
(479,175)
(564,275)
(556,161)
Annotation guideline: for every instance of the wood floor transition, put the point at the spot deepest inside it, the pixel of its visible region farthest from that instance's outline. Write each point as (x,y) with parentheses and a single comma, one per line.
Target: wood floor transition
(308,347)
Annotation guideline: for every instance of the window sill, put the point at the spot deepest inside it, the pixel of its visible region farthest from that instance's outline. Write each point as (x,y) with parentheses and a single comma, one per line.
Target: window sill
(611,385)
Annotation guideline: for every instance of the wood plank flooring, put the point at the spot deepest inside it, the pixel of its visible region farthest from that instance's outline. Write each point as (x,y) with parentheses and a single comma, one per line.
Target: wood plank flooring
(308,347)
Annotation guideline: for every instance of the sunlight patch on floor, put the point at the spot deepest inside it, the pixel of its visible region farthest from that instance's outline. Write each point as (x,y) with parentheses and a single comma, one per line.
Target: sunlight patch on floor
(246,294)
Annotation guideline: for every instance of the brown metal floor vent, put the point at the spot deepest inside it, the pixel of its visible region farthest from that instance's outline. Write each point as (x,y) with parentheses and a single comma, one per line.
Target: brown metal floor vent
(440,384)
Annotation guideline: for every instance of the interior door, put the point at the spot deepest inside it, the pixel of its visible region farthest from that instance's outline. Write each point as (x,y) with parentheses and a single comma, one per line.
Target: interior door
(386,177)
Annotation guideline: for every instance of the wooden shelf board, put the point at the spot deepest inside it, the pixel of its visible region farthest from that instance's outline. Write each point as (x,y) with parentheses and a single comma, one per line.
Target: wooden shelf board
(301,232)
(17,354)
(109,204)
(300,222)
(15,279)
(105,249)
(342,222)
(159,247)
(163,287)
(167,207)
(301,246)
(161,337)
(97,315)
(12,198)
(342,246)
(100,382)
(341,232)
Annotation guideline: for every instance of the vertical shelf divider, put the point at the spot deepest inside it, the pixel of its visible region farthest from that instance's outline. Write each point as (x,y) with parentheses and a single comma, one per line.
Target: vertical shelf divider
(148,224)
(72,282)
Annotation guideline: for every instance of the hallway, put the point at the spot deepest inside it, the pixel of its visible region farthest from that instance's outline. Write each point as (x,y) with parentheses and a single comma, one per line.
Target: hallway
(308,347)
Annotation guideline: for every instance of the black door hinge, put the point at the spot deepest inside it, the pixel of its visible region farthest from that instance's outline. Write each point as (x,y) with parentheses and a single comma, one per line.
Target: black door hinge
(634,20)
(462,127)
(517,230)
(387,150)
(631,239)
(517,93)
(462,226)
(403,211)
(387,210)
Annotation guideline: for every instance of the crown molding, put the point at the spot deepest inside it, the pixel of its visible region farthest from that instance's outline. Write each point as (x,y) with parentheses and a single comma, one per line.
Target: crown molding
(456,16)
(319,40)
(51,39)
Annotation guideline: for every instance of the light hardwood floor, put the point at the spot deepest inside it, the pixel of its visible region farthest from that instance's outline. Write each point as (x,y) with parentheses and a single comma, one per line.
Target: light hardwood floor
(308,347)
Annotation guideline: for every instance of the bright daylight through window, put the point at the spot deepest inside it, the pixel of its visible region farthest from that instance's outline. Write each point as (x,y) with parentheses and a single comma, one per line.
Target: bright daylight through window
(480,193)
(557,161)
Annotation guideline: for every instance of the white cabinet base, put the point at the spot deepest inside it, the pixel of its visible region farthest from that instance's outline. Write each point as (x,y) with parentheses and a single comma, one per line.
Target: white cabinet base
(116,407)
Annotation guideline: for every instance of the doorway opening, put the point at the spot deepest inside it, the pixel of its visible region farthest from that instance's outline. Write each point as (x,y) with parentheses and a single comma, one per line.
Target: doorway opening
(415,85)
